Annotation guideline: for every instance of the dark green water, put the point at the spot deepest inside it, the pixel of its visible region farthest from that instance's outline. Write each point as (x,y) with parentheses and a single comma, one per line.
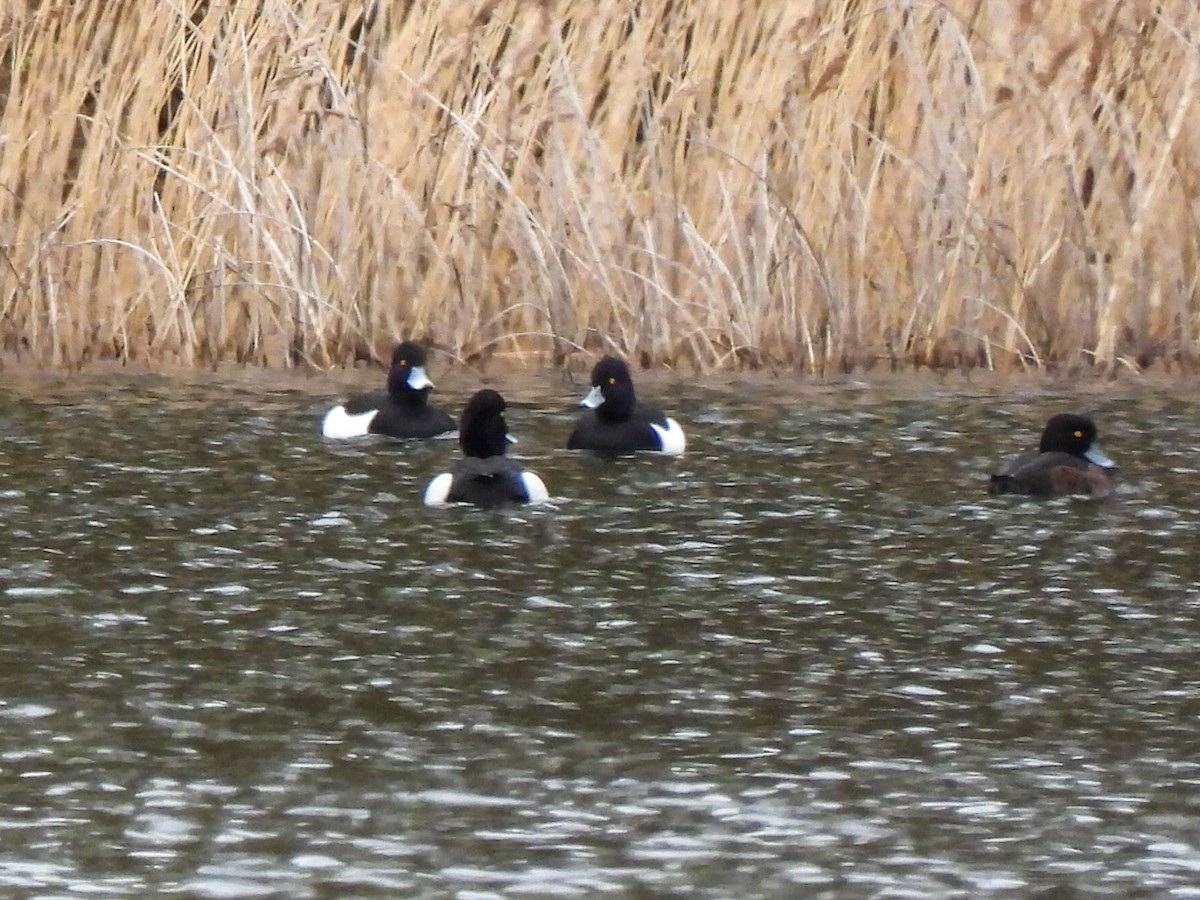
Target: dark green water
(809,658)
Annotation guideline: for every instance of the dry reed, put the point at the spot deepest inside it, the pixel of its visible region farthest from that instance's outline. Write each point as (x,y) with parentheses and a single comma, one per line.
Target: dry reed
(816,185)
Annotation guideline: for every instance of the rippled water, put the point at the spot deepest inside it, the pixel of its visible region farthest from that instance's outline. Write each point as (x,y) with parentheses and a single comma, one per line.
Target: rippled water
(809,658)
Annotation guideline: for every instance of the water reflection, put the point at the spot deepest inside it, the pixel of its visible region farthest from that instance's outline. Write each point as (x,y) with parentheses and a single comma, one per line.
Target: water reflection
(809,657)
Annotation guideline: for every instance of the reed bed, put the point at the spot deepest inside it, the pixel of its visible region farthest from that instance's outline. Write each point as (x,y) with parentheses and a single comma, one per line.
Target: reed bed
(819,186)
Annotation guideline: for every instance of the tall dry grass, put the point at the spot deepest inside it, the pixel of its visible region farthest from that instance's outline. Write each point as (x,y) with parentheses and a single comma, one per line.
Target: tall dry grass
(822,185)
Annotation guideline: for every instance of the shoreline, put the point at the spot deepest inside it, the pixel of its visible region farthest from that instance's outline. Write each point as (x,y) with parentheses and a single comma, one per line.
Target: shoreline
(517,373)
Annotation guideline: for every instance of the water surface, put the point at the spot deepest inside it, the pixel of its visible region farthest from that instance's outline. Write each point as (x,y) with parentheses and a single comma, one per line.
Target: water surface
(811,657)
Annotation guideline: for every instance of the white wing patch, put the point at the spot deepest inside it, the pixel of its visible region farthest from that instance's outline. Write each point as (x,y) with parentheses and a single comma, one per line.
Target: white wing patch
(438,490)
(339,425)
(672,439)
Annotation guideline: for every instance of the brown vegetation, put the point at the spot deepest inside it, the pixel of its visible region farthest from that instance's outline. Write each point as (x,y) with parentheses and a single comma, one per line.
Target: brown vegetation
(816,185)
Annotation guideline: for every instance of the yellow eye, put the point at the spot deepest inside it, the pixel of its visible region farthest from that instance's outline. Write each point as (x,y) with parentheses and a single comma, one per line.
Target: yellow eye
(1079,434)
(404,362)
(612,381)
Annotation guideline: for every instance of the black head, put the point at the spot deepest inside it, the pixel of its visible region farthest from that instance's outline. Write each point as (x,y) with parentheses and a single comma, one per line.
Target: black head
(1068,433)
(612,394)
(483,431)
(406,377)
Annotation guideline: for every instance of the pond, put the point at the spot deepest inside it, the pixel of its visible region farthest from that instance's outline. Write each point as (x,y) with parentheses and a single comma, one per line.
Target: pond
(810,657)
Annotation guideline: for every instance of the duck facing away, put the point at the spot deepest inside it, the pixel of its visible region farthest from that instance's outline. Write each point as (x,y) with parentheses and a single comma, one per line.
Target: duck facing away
(616,422)
(401,411)
(485,476)
(1067,461)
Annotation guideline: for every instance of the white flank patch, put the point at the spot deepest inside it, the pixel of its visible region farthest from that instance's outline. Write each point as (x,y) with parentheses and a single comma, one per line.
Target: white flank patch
(340,425)
(535,488)
(438,490)
(673,441)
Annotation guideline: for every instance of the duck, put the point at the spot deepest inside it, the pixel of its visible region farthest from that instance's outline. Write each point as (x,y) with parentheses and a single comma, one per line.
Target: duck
(401,411)
(485,476)
(1067,461)
(616,422)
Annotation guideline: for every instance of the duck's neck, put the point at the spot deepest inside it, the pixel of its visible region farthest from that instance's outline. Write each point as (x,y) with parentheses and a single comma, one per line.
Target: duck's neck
(618,405)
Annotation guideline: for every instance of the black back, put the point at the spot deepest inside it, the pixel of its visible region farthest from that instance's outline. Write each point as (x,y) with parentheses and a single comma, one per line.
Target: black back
(491,482)
(410,420)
